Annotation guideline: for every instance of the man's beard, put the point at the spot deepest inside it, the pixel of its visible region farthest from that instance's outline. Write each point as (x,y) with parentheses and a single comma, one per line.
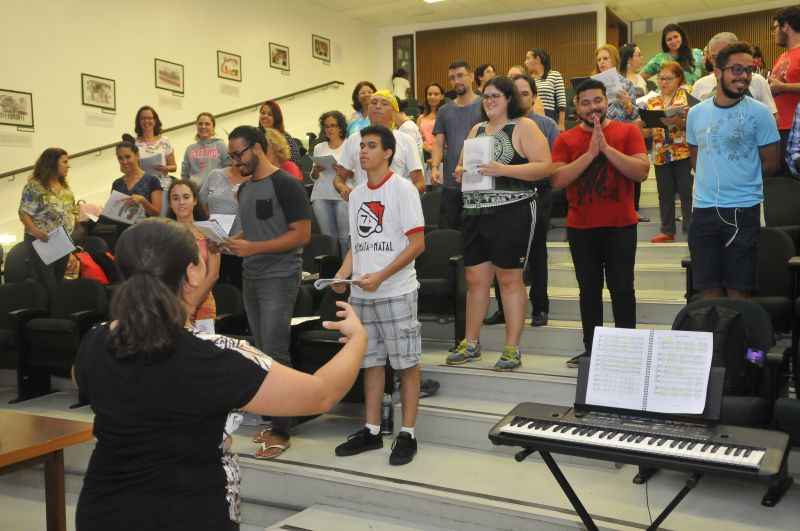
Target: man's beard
(781,39)
(460,89)
(249,168)
(590,122)
(731,93)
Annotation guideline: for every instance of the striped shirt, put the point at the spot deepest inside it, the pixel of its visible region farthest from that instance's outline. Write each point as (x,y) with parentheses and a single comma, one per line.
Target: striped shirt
(550,91)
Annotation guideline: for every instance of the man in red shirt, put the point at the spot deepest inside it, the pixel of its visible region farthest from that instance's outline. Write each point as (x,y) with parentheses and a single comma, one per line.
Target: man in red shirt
(598,162)
(784,79)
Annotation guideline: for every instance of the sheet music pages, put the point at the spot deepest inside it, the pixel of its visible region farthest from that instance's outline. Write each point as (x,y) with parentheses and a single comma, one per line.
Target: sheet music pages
(618,369)
(681,364)
(477,152)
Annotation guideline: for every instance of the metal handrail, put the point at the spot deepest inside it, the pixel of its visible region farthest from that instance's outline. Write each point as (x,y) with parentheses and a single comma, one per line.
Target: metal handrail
(72,156)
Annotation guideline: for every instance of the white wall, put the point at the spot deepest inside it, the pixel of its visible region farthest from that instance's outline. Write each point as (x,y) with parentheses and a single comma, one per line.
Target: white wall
(384,36)
(47,45)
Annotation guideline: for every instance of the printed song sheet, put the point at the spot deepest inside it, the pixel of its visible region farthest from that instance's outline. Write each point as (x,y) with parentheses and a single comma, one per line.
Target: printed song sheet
(477,152)
(119,207)
(58,245)
(679,373)
(618,368)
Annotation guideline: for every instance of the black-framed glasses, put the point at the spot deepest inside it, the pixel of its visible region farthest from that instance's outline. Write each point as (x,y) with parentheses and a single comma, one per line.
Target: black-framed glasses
(237,155)
(738,70)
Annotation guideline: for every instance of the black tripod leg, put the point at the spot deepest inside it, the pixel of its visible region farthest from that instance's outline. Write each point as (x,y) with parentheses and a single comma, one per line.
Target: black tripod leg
(567,488)
(778,486)
(690,484)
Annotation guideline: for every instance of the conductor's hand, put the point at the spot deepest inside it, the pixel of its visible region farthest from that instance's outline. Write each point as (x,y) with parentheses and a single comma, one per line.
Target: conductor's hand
(349,326)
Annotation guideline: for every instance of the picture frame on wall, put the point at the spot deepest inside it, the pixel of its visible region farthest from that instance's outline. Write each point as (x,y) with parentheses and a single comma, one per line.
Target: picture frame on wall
(169,76)
(403,57)
(100,92)
(229,66)
(16,108)
(279,57)
(321,48)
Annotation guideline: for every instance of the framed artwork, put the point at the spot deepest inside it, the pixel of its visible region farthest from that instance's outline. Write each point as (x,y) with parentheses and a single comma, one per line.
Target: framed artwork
(321,48)
(99,92)
(279,56)
(229,66)
(169,76)
(403,57)
(16,108)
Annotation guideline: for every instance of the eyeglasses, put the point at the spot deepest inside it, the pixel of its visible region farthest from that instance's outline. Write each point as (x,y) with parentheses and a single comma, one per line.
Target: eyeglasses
(493,96)
(738,70)
(237,155)
(665,78)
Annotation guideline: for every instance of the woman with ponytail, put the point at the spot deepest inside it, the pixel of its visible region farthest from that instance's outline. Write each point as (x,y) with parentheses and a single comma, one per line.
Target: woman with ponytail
(166,399)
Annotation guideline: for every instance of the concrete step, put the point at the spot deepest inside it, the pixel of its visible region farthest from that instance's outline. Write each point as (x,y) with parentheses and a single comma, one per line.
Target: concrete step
(645,231)
(646,252)
(652,306)
(558,338)
(650,276)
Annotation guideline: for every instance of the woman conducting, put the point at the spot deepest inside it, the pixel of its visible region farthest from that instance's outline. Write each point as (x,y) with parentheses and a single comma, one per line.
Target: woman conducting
(166,399)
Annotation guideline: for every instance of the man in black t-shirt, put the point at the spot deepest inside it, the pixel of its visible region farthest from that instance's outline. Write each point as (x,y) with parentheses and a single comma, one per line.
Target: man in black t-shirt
(275,217)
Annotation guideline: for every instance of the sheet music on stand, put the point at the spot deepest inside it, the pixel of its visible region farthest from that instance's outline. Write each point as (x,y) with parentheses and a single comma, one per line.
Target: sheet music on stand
(661,371)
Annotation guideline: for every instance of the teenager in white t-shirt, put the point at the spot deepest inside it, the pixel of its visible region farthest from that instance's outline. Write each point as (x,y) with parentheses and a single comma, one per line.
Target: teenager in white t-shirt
(407,159)
(386,235)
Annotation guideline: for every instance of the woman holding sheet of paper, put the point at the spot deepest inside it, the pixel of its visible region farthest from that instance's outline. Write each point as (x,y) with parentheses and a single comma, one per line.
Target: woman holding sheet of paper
(510,153)
(143,188)
(621,105)
(329,207)
(47,204)
(185,209)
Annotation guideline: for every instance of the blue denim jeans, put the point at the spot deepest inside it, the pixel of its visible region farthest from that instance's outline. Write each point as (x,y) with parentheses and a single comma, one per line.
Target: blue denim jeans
(333,220)
(269,304)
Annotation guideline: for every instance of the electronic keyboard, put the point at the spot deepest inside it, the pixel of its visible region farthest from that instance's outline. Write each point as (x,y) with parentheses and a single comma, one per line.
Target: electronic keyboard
(641,440)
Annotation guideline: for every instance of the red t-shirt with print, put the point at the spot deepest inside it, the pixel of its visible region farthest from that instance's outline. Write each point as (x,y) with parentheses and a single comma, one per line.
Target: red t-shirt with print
(602,196)
(786,69)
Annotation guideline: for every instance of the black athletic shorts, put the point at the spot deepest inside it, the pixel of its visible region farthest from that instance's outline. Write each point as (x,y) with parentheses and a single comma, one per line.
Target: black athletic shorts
(500,235)
(723,243)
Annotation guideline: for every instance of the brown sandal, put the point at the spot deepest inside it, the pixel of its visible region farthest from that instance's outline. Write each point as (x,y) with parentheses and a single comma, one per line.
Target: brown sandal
(262,435)
(272,447)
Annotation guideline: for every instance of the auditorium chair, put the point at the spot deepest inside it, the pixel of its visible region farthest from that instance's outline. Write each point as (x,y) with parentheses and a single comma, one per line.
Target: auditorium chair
(321,259)
(431,208)
(786,418)
(18,302)
(18,266)
(750,390)
(231,319)
(777,279)
(782,206)
(442,287)
(2,259)
(51,342)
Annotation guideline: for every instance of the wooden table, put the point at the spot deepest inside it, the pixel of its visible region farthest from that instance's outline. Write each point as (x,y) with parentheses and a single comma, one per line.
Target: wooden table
(26,440)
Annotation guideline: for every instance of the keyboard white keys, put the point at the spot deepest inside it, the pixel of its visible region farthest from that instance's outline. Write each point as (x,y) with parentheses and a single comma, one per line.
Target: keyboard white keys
(662,446)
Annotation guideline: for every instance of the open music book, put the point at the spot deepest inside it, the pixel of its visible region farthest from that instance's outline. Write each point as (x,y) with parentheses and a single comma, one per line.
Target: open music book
(661,371)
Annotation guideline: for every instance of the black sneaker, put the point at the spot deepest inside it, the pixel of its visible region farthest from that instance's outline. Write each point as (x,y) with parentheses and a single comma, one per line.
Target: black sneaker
(573,362)
(360,441)
(428,388)
(496,318)
(539,319)
(403,449)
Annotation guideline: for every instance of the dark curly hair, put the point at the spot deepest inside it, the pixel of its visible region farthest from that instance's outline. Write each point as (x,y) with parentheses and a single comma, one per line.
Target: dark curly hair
(356,102)
(341,121)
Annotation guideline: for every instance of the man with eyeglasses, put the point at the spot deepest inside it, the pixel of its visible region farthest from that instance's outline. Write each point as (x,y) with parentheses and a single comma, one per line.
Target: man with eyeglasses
(734,144)
(706,86)
(275,218)
(784,79)
(453,123)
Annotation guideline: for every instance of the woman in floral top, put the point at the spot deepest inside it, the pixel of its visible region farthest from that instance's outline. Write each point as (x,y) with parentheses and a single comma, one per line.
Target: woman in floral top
(47,203)
(671,152)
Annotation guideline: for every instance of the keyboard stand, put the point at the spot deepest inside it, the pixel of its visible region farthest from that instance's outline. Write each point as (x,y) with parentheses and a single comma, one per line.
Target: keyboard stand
(584,515)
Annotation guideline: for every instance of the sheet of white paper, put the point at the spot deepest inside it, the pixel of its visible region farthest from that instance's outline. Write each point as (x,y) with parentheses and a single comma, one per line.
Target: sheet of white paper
(58,245)
(323,283)
(611,79)
(149,163)
(212,230)
(477,152)
(679,372)
(119,209)
(325,162)
(618,368)
(300,320)
(225,221)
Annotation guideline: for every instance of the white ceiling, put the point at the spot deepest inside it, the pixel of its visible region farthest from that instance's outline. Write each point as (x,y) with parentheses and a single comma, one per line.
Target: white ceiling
(384,13)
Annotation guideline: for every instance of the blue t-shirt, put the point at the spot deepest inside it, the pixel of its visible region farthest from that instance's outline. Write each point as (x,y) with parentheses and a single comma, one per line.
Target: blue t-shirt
(728,172)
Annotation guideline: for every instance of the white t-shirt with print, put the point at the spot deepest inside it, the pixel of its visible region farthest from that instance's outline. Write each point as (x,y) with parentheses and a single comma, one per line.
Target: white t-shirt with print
(381,220)
(705,88)
(406,160)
